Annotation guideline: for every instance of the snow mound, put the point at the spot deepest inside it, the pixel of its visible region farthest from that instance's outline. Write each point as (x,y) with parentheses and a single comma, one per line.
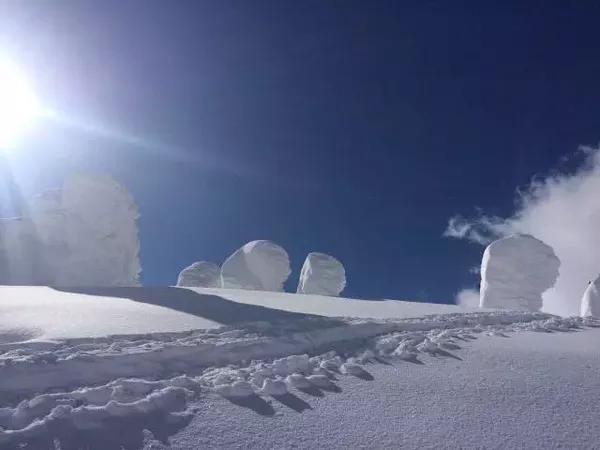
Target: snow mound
(274,387)
(351,368)
(428,346)
(322,275)
(200,274)
(298,381)
(332,364)
(516,271)
(320,381)
(239,388)
(292,364)
(258,265)
(90,408)
(405,350)
(590,303)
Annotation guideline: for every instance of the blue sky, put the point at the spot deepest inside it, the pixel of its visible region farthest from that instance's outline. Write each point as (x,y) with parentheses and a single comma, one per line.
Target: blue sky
(352,128)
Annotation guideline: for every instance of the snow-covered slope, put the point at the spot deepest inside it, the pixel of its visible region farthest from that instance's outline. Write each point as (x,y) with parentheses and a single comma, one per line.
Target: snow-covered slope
(42,313)
(338,306)
(529,391)
(98,364)
(46,314)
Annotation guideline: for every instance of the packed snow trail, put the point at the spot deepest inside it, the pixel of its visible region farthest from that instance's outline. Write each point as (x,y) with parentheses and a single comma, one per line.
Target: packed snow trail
(37,367)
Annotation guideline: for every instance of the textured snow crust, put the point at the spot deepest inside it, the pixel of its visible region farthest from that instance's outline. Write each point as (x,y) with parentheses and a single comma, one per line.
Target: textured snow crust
(322,275)
(516,271)
(258,265)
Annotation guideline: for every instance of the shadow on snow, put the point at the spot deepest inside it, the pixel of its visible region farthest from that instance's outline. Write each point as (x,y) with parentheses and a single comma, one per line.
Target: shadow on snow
(213,307)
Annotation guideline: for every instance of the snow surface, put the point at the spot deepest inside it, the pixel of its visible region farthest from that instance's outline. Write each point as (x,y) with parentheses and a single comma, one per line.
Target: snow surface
(108,389)
(322,274)
(516,271)
(200,274)
(258,265)
(590,303)
(46,314)
(337,306)
(529,391)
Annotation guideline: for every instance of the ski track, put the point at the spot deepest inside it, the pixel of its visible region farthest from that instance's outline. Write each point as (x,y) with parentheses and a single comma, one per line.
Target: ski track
(52,390)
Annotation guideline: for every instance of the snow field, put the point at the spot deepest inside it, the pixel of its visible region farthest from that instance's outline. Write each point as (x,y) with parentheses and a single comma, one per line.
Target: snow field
(39,416)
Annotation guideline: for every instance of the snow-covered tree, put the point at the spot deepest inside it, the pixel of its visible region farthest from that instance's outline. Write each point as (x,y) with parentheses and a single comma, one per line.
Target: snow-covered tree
(322,274)
(515,272)
(590,303)
(200,274)
(84,234)
(258,265)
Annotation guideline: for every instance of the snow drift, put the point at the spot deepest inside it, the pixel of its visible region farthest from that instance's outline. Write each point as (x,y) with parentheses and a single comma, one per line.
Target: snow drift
(515,271)
(82,235)
(322,275)
(590,303)
(200,274)
(258,265)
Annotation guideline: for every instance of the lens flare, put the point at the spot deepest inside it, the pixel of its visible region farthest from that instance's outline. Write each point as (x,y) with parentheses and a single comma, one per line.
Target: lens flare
(18,104)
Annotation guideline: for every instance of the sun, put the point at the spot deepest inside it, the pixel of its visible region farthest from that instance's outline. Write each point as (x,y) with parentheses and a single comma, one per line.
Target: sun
(18,105)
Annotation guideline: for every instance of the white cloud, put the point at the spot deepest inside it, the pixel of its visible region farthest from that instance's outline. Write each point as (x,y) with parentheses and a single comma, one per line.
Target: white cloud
(561,209)
(476,270)
(481,229)
(468,298)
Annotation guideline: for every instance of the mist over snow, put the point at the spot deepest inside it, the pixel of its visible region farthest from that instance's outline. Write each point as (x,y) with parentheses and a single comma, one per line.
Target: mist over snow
(561,209)
(84,234)
(467,298)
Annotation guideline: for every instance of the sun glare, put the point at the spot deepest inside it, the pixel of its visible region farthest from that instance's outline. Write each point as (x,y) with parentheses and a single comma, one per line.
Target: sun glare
(18,105)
